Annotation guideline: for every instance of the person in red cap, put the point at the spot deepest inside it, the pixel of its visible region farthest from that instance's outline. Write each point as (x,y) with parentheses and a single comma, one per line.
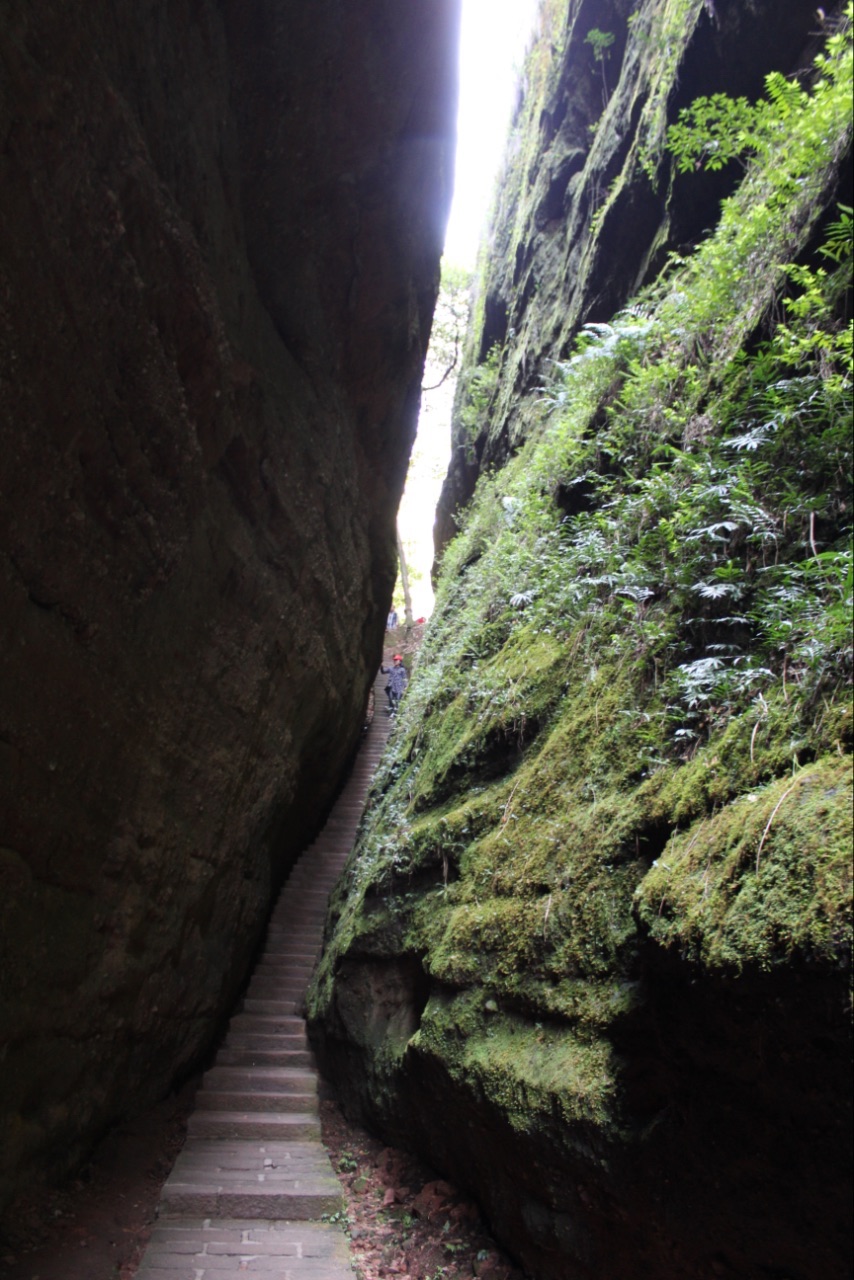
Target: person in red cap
(396,683)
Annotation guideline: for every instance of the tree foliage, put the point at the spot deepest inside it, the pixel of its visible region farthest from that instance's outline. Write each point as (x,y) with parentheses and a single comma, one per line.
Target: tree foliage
(450,321)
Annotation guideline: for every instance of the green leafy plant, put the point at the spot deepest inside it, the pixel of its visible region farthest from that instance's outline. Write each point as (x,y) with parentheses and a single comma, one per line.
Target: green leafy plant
(481,388)
(601,42)
(717,129)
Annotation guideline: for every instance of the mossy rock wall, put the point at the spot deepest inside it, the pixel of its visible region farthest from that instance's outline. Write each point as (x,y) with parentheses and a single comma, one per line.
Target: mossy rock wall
(591,955)
(588,206)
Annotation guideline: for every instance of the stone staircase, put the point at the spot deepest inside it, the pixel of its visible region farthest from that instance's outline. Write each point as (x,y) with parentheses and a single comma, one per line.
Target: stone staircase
(247,1193)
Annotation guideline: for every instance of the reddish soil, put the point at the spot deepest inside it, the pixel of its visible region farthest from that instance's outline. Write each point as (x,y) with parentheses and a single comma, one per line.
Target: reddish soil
(405,1223)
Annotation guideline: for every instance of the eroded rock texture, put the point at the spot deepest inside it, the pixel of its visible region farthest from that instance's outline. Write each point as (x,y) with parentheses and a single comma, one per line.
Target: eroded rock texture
(220,228)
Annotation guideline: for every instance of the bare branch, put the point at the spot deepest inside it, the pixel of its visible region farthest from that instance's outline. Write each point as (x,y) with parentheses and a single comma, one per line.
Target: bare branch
(450,369)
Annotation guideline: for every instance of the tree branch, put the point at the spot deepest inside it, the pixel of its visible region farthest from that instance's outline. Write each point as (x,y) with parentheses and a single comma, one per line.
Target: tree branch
(450,369)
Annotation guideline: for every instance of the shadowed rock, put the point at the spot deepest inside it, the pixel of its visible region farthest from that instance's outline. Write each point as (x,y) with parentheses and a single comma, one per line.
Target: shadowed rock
(219,243)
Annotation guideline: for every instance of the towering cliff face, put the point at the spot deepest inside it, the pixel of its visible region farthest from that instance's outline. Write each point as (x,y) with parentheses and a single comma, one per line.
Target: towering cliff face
(592,953)
(589,206)
(219,239)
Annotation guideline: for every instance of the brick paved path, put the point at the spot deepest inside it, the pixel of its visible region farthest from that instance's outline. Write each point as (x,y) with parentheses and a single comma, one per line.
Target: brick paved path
(248,1190)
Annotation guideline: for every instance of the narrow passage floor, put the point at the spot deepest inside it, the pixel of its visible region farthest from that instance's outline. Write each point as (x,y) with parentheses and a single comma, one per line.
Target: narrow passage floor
(247,1193)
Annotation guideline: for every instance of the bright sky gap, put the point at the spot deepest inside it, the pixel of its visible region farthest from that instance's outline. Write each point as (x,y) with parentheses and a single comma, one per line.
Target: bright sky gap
(493,39)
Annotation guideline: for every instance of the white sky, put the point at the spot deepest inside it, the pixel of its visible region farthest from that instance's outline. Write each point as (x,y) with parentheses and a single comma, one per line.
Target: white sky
(493,40)
(494,37)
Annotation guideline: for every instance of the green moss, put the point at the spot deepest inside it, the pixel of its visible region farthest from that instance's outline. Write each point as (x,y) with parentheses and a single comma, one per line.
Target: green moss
(505,699)
(630,717)
(530,1072)
(766,878)
(760,743)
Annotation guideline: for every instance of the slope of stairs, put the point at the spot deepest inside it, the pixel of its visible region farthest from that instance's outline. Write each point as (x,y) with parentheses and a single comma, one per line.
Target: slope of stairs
(253,1191)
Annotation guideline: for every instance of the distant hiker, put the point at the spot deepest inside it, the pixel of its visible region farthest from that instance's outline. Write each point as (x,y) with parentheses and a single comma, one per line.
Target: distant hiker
(396,683)
(391,622)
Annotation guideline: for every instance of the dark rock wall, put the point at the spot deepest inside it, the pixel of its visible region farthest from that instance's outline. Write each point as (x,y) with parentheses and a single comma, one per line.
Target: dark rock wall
(220,228)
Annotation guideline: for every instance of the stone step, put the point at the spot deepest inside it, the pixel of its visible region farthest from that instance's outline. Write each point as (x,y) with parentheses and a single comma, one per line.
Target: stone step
(310,891)
(319,871)
(182,1249)
(316,870)
(283,940)
(284,945)
(293,912)
(265,1025)
(297,957)
(247,1057)
(263,1126)
(275,1008)
(295,888)
(280,955)
(305,930)
(306,941)
(292,1200)
(277,950)
(293,915)
(282,969)
(305,935)
(293,930)
(269,969)
(251,1100)
(255,1040)
(273,1077)
(325,857)
(233,1159)
(291,907)
(284,988)
(283,984)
